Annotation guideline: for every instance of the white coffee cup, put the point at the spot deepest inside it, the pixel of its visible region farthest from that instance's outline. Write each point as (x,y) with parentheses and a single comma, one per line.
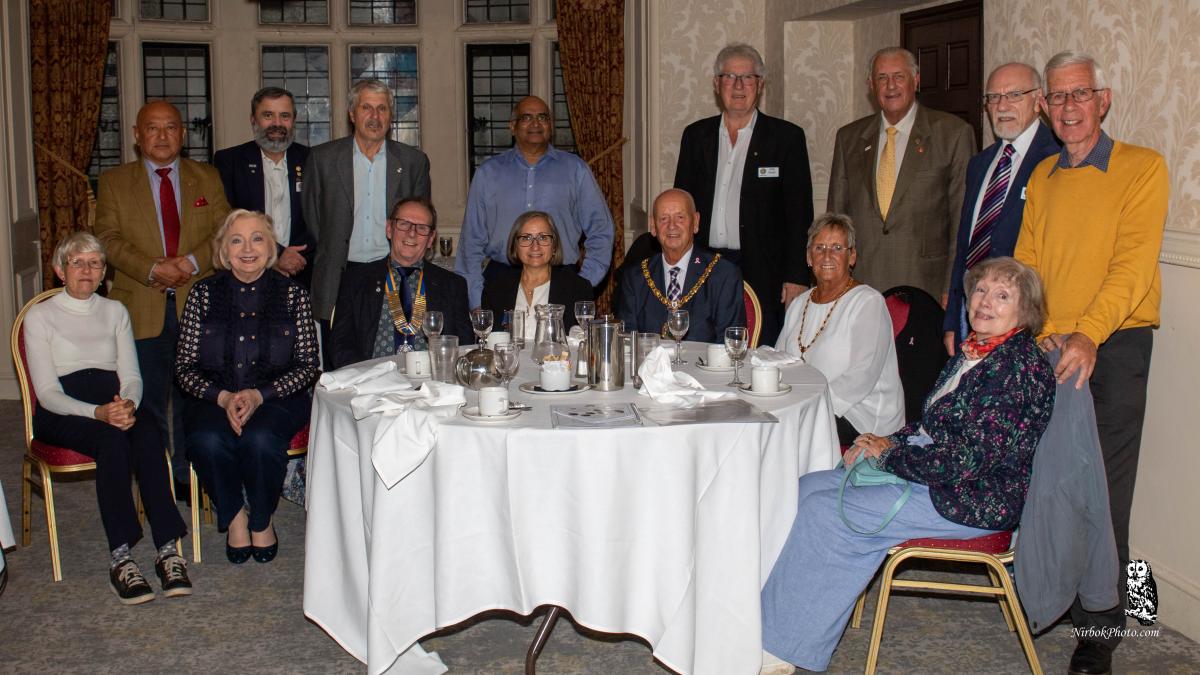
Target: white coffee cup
(556,376)
(416,364)
(718,357)
(765,379)
(493,401)
(496,337)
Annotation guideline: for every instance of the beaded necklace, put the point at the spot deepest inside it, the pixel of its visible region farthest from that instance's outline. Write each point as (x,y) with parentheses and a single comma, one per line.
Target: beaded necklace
(804,315)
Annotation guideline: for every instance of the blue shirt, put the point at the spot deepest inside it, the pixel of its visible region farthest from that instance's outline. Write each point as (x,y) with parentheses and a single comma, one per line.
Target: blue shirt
(505,186)
(368,239)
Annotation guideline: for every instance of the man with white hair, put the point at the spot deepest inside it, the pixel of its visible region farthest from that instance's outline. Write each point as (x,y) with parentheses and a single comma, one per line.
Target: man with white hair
(1093,227)
(350,185)
(750,177)
(996,178)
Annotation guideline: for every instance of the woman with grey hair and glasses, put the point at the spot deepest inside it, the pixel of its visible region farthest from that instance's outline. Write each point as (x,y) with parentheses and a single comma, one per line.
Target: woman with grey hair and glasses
(84,371)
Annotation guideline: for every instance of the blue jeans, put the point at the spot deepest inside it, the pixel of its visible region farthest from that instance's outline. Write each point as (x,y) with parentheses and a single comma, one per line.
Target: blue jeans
(824,565)
(254,463)
(156,360)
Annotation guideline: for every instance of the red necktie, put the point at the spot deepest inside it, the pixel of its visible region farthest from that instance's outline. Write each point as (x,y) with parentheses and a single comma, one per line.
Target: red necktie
(170,212)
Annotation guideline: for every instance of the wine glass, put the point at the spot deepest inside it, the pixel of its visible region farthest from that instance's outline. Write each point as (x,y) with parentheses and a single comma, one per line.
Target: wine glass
(481,323)
(678,322)
(433,324)
(445,246)
(585,310)
(736,342)
(508,361)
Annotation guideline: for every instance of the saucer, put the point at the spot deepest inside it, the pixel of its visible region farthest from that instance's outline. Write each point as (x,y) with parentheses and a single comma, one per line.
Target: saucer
(472,413)
(536,389)
(784,388)
(712,369)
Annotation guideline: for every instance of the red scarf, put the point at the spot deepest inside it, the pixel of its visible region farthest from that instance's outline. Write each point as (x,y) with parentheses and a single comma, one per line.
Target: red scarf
(975,348)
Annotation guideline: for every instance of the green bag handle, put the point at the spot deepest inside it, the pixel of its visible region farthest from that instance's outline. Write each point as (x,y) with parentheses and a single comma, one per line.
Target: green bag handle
(891,514)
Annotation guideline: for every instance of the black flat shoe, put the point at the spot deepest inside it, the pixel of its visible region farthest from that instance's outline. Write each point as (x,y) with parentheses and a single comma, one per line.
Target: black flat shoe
(237,554)
(265,554)
(1091,658)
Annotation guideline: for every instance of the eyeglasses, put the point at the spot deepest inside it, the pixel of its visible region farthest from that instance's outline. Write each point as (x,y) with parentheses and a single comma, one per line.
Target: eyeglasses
(1080,95)
(833,249)
(80,263)
(1011,97)
(526,118)
(528,240)
(730,79)
(402,225)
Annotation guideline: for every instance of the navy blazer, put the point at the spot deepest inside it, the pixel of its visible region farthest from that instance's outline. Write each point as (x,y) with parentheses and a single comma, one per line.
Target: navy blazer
(1008,224)
(717,305)
(242,175)
(360,302)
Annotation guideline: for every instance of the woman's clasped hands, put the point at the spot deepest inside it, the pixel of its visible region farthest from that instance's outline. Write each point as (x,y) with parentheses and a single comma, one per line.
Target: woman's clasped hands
(239,406)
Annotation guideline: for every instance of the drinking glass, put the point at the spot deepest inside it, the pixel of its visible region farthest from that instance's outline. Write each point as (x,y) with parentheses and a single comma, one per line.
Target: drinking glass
(737,340)
(518,328)
(445,246)
(678,322)
(481,323)
(585,310)
(508,361)
(443,356)
(433,324)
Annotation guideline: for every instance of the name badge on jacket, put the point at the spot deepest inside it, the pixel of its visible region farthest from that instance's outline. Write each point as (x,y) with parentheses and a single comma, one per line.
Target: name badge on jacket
(768,172)
(1022,194)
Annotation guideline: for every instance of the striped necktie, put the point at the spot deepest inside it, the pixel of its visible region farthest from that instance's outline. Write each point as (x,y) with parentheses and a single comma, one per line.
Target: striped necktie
(885,177)
(989,209)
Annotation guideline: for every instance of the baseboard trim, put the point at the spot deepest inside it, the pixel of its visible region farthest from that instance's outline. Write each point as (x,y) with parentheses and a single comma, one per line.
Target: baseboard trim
(10,389)
(1178,597)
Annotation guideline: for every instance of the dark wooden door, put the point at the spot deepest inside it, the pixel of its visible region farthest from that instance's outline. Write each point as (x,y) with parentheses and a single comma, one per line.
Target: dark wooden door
(948,43)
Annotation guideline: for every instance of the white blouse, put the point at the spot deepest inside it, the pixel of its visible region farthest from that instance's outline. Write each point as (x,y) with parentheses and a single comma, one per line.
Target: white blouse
(541,296)
(855,352)
(65,334)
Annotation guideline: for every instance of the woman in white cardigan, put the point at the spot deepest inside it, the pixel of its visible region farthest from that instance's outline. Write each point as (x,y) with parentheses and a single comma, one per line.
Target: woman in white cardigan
(842,328)
(84,370)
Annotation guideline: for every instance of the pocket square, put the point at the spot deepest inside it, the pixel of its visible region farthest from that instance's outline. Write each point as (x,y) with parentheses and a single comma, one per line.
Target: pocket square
(201,202)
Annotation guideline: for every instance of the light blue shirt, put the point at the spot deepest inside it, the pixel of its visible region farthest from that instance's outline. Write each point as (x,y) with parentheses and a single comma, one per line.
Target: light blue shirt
(156,185)
(560,184)
(368,239)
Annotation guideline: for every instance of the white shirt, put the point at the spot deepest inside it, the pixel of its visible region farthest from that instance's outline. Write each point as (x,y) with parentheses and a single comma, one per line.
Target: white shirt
(855,352)
(723,231)
(277,201)
(682,265)
(1020,150)
(65,334)
(903,132)
(541,296)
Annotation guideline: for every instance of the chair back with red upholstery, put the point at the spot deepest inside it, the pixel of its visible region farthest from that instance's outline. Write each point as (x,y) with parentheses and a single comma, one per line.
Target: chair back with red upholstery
(920,352)
(753,314)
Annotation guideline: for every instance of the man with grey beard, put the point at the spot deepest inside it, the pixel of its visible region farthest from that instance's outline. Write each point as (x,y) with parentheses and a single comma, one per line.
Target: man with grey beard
(266,174)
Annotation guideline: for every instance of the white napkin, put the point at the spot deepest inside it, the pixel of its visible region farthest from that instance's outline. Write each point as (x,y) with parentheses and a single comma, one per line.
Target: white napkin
(676,389)
(373,379)
(769,356)
(409,428)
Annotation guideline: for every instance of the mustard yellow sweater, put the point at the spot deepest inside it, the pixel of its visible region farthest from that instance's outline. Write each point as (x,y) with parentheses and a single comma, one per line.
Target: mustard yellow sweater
(1094,238)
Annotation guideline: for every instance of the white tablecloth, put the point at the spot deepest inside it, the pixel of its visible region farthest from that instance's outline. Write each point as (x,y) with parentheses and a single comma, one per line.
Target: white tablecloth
(664,532)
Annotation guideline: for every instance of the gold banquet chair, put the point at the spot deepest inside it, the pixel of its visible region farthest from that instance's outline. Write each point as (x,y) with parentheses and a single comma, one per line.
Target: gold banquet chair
(753,314)
(46,458)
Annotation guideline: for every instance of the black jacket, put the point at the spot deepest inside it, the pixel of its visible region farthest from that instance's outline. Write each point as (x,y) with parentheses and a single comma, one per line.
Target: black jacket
(566,287)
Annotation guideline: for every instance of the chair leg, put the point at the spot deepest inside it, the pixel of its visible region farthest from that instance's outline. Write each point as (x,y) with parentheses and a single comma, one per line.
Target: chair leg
(1014,609)
(856,617)
(196,557)
(885,591)
(26,494)
(51,522)
(1004,608)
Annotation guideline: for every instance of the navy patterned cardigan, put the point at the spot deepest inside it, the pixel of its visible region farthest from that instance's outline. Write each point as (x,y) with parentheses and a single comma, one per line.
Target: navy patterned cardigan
(984,435)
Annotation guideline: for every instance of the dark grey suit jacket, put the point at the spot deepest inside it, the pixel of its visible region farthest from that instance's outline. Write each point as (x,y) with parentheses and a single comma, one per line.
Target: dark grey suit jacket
(915,245)
(329,206)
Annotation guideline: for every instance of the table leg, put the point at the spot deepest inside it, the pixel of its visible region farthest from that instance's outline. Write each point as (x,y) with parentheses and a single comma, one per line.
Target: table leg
(539,640)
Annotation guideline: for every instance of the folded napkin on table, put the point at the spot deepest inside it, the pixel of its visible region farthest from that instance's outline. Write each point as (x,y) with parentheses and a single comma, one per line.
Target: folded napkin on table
(409,428)
(680,390)
(373,379)
(769,356)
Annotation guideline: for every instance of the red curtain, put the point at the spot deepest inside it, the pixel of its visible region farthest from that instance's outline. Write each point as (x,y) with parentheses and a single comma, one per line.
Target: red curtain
(591,38)
(68,46)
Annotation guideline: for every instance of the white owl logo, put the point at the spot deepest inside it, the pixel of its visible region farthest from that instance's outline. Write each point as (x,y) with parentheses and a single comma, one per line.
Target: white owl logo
(1142,593)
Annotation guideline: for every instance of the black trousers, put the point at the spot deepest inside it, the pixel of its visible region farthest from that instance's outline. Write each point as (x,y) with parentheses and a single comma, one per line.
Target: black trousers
(139,451)
(162,400)
(1119,388)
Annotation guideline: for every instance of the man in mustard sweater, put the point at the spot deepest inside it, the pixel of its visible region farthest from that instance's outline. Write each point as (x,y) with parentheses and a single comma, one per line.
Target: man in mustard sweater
(1093,226)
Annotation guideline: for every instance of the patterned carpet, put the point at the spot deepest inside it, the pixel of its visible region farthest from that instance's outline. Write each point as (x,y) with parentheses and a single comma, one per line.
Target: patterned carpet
(249,618)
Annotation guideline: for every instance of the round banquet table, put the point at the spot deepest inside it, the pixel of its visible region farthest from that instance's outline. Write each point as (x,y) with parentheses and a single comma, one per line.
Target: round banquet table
(664,532)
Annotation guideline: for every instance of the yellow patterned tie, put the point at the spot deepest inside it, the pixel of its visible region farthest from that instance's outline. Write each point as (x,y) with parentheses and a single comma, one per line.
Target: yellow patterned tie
(885,179)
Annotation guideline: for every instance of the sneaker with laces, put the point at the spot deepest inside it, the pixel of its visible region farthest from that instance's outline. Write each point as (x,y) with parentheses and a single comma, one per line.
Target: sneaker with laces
(127,582)
(172,572)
